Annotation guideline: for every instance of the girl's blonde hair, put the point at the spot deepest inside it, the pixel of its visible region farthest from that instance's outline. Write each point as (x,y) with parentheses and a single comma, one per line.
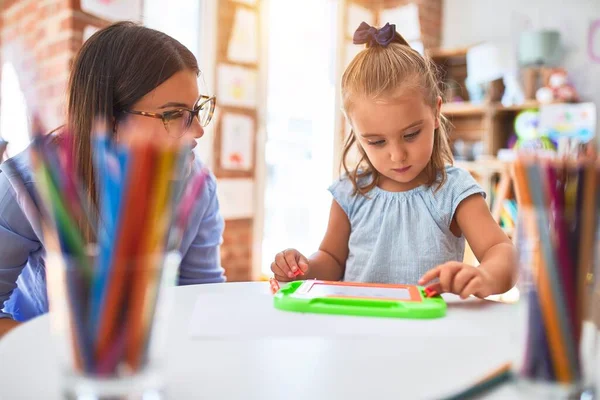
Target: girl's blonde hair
(379,71)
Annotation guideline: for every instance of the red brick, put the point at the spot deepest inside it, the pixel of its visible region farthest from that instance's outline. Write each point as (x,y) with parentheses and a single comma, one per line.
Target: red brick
(66,24)
(10,3)
(48,11)
(10,34)
(41,54)
(31,8)
(236,250)
(54,70)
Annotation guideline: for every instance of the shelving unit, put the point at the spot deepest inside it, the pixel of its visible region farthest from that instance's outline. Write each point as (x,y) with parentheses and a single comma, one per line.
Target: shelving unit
(489,123)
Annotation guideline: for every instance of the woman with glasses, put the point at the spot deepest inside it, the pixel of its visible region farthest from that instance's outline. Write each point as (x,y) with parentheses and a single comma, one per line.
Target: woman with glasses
(142,80)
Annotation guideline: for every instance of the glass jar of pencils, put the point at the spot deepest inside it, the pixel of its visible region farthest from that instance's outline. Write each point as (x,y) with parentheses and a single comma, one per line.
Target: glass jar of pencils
(109,326)
(557,241)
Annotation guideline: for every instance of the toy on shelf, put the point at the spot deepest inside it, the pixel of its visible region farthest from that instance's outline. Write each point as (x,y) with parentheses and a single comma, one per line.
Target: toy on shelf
(557,89)
(513,92)
(464,150)
(527,132)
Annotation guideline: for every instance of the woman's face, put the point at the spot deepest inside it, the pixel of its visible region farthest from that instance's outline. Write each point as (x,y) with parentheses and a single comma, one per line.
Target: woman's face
(178,92)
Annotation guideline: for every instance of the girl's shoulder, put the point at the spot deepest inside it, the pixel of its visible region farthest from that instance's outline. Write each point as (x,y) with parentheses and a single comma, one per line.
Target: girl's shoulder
(459,185)
(345,194)
(456,176)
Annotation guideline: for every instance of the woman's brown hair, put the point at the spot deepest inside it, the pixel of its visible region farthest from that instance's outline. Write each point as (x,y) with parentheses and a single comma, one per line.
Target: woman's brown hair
(379,71)
(114,69)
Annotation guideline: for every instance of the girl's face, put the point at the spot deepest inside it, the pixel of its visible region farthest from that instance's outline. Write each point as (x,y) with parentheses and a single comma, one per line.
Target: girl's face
(397,134)
(176,93)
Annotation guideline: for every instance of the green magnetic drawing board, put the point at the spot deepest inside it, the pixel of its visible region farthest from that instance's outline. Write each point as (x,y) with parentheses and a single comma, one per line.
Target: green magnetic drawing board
(365,299)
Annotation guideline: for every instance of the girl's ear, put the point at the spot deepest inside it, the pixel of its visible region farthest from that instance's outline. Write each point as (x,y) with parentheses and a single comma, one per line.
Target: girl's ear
(438,112)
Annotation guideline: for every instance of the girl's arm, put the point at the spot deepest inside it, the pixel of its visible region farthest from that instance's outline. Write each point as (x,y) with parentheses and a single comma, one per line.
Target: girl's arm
(497,255)
(494,250)
(328,263)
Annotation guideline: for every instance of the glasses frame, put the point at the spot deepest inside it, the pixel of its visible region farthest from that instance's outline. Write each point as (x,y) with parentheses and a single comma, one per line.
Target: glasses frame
(195,113)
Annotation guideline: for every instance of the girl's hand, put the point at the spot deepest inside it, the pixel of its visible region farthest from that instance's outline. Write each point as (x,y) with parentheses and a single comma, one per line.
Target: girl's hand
(461,279)
(289,265)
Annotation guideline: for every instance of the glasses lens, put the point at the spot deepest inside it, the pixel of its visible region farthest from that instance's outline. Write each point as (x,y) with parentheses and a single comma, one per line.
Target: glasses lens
(206,111)
(179,122)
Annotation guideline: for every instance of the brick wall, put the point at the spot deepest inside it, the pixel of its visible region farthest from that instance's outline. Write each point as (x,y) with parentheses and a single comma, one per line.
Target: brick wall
(236,252)
(36,42)
(40,39)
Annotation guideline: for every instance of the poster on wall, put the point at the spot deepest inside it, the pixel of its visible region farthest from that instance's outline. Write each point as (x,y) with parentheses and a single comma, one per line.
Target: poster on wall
(236,198)
(114,10)
(243,44)
(237,86)
(568,120)
(237,134)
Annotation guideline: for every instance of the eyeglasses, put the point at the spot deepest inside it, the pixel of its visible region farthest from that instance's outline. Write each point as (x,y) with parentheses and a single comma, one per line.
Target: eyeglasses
(178,122)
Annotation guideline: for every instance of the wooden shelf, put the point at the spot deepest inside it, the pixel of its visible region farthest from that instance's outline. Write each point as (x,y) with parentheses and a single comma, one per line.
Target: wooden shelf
(470,109)
(529,104)
(482,167)
(490,125)
(462,109)
(447,53)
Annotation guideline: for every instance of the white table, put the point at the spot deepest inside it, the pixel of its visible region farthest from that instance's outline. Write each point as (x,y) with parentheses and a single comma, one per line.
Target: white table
(455,351)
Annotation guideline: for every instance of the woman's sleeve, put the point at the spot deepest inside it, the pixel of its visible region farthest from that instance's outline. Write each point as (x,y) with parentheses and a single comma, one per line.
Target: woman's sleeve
(17,241)
(202,261)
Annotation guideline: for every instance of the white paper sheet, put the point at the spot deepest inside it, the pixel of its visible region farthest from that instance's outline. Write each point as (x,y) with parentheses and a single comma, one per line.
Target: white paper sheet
(311,289)
(236,198)
(243,43)
(237,134)
(237,86)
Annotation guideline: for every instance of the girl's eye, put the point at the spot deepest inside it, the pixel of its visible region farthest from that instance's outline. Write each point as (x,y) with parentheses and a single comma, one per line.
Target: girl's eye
(376,143)
(411,136)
